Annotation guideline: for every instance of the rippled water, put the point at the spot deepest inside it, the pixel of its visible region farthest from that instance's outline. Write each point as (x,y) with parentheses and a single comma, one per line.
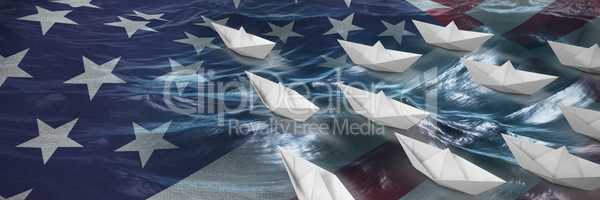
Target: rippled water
(469,117)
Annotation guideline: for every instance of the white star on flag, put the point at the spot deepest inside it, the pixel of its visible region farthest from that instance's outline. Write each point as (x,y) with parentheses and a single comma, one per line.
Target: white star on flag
(20,196)
(130,26)
(236,3)
(50,139)
(283,32)
(95,75)
(9,67)
(76,3)
(342,27)
(208,22)
(147,141)
(48,18)
(199,43)
(149,16)
(348,2)
(395,30)
(180,74)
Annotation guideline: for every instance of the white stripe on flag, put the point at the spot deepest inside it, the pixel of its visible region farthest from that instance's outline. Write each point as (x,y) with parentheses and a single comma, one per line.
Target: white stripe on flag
(503,18)
(254,170)
(426,5)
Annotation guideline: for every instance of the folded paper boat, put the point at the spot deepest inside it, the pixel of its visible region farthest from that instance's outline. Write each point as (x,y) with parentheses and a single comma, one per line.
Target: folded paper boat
(448,169)
(555,165)
(378,58)
(506,78)
(282,100)
(584,59)
(584,121)
(242,42)
(310,182)
(450,37)
(381,109)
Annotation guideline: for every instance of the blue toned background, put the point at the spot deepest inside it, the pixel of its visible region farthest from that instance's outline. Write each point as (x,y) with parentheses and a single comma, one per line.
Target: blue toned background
(233,155)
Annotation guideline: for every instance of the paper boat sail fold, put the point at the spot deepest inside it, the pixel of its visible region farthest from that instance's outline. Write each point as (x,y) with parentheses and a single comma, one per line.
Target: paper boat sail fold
(555,165)
(379,58)
(583,121)
(584,59)
(242,42)
(381,109)
(450,37)
(448,169)
(311,182)
(282,100)
(506,78)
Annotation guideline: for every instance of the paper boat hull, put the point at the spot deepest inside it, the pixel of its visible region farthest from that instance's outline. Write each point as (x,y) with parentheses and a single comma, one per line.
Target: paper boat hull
(576,118)
(259,51)
(243,43)
(422,155)
(487,76)
(403,123)
(470,42)
(362,103)
(516,90)
(567,55)
(365,55)
(310,182)
(465,45)
(282,101)
(393,66)
(529,158)
(300,115)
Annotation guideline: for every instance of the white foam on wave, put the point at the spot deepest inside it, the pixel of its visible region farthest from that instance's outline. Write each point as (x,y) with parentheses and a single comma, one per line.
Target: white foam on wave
(548,109)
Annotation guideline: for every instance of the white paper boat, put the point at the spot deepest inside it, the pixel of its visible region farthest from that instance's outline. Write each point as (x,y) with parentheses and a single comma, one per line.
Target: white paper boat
(244,43)
(311,182)
(448,169)
(382,109)
(379,58)
(555,165)
(584,121)
(585,59)
(282,100)
(450,37)
(506,78)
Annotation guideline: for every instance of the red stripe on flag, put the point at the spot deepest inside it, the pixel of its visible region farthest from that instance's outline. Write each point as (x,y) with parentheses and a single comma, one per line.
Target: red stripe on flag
(546,190)
(384,173)
(456,12)
(556,20)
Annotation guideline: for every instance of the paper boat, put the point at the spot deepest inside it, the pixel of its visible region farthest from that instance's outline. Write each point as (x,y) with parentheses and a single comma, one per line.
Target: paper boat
(244,43)
(506,78)
(585,59)
(381,109)
(448,169)
(378,58)
(555,165)
(282,100)
(584,121)
(311,182)
(450,37)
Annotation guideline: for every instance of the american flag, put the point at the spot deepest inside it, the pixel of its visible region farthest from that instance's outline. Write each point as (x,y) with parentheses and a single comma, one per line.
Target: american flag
(107,99)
